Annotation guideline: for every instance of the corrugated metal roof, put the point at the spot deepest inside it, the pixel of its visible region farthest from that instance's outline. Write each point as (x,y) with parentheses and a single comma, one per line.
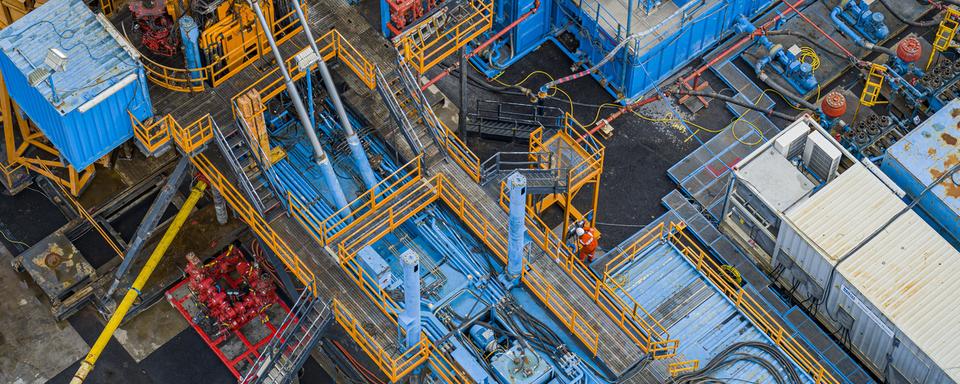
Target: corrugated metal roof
(95,59)
(845,211)
(908,271)
(931,149)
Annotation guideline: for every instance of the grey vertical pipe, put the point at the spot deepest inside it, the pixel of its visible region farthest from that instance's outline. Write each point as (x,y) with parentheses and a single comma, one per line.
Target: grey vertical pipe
(291,87)
(326,168)
(353,141)
(219,206)
(462,118)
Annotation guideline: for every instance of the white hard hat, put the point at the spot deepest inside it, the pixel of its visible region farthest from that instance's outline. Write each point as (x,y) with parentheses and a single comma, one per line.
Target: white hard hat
(579,231)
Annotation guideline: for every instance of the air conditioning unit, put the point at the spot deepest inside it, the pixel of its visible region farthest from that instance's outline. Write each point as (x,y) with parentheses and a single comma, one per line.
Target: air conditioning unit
(790,143)
(821,157)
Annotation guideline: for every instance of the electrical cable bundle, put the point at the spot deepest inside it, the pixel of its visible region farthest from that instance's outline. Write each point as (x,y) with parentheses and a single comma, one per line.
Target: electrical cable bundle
(730,356)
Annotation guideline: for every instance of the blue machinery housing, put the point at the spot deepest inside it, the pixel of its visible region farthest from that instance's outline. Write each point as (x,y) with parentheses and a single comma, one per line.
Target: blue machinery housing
(83,107)
(663,38)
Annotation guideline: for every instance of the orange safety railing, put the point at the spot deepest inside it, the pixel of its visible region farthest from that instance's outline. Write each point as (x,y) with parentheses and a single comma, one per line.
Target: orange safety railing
(230,62)
(155,135)
(748,305)
(638,324)
(193,137)
(331,45)
(394,367)
(426,51)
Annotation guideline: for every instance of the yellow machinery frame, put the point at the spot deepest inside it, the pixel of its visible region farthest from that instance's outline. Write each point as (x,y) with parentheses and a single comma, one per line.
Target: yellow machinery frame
(424,51)
(239,37)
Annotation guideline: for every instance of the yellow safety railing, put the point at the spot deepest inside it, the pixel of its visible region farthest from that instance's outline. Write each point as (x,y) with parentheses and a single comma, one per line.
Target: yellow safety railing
(327,230)
(8,170)
(152,136)
(638,324)
(945,33)
(591,152)
(683,366)
(230,62)
(631,251)
(460,152)
(495,241)
(193,137)
(331,45)
(426,51)
(246,212)
(874,83)
(393,211)
(748,305)
(394,367)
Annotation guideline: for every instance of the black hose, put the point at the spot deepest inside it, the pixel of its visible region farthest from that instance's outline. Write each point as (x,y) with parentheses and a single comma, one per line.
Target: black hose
(821,47)
(787,93)
(714,95)
(922,24)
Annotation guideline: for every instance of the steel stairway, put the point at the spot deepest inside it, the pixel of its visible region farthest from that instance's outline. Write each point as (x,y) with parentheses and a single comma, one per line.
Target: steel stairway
(411,111)
(236,149)
(298,335)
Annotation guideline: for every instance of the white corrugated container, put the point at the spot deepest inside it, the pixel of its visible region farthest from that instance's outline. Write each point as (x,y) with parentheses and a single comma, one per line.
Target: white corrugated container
(900,286)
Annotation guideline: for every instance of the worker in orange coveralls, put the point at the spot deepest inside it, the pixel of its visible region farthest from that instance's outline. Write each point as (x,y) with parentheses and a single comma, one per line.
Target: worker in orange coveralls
(587,240)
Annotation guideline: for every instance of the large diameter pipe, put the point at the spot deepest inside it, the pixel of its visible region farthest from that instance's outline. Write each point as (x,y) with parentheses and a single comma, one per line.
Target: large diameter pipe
(86,366)
(517,227)
(326,168)
(410,318)
(353,141)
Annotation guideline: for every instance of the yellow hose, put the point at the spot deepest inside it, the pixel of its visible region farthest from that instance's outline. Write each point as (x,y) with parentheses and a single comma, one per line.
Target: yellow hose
(87,364)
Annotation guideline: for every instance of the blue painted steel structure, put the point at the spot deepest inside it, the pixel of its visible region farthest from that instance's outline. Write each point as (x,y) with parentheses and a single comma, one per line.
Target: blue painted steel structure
(920,158)
(189,33)
(696,313)
(654,55)
(85,114)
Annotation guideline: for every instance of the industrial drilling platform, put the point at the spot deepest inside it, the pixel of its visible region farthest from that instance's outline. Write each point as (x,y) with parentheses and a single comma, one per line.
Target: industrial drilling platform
(480,191)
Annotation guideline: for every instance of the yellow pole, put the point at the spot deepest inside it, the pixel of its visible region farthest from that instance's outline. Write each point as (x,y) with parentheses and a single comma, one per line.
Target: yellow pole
(87,364)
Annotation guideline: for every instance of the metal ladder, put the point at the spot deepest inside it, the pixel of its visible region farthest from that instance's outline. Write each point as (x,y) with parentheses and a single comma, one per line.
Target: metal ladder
(532,165)
(235,147)
(871,90)
(945,33)
(411,110)
(298,335)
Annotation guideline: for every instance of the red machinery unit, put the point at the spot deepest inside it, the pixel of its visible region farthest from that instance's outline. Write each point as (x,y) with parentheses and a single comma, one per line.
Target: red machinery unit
(232,304)
(155,26)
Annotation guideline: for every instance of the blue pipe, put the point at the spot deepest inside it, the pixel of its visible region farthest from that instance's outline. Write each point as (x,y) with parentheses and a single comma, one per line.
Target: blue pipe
(410,318)
(189,33)
(333,184)
(795,72)
(518,198)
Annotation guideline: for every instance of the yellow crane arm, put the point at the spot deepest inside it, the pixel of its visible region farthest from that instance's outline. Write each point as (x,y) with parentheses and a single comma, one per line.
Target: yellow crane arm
(87,364)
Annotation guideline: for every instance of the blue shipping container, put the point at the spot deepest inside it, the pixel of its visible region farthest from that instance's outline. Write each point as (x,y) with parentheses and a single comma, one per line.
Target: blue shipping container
(87,116)
(921,157)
